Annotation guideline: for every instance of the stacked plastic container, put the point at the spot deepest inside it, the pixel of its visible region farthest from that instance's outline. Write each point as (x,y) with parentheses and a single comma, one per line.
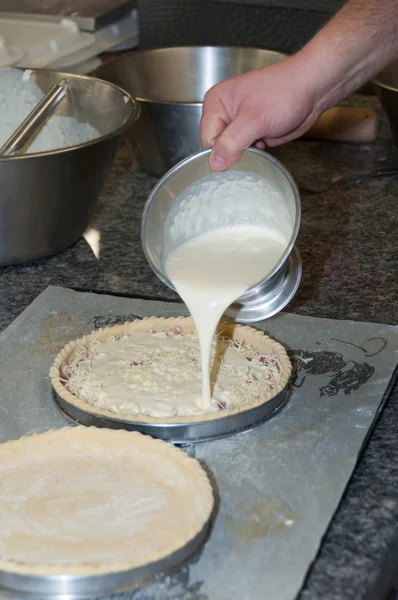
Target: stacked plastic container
(61,45)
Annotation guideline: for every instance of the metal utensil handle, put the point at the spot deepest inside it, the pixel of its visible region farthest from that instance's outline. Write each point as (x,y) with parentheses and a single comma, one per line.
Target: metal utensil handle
(35,119)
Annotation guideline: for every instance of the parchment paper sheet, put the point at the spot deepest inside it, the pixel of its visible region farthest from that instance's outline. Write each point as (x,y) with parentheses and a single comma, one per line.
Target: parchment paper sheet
(278,485)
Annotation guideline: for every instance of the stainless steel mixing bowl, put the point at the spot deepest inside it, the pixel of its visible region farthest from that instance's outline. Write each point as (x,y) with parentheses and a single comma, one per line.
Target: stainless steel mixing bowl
(170,84)
(271,294)
(386,86)
(48,198)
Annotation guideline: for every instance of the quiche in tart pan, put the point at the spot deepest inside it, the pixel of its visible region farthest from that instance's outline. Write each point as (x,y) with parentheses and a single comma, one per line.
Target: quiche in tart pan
(149,371)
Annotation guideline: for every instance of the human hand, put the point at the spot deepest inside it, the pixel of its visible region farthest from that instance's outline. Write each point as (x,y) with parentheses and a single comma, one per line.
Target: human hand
(276,104)
(265,107)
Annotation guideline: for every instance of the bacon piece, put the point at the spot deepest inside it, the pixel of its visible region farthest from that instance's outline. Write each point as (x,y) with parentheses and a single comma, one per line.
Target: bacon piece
(222,405)
(233,344)
(176,330)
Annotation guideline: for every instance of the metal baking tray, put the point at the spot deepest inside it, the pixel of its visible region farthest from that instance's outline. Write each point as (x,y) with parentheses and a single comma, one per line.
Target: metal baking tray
(182,433)
(73,587)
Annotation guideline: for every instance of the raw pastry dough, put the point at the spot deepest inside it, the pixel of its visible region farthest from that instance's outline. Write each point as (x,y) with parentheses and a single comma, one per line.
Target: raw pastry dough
(148,377)
(90,501)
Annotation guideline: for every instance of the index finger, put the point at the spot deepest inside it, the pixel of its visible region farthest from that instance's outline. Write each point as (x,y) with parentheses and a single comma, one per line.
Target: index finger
(213,122)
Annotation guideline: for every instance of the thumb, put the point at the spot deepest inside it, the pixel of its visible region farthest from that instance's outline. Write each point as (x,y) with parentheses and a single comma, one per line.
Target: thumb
(236,137)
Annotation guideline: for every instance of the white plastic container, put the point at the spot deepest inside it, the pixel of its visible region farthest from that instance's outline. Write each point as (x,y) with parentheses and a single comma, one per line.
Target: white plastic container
(33,43)
(36,43)
(114,35)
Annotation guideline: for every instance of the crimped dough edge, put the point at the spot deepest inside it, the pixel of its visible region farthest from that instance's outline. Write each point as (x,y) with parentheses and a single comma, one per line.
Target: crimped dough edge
(243,333)
(120,438)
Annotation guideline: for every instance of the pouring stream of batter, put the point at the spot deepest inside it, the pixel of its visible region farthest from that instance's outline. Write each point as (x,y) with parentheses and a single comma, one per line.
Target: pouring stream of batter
(213,270)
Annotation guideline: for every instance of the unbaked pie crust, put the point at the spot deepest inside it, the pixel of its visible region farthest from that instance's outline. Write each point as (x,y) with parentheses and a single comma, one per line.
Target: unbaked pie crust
(241,333)
(88,501)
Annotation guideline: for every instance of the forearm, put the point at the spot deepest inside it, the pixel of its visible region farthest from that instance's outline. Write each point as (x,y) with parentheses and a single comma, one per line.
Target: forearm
(353,47)
(276,104)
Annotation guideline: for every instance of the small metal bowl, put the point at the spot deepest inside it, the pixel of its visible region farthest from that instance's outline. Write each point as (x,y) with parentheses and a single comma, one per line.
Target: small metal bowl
(48,198)
(277,289)
(386,86)
(170,84)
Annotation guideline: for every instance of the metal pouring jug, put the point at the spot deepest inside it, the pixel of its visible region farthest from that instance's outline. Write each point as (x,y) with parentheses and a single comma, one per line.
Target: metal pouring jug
(272,293)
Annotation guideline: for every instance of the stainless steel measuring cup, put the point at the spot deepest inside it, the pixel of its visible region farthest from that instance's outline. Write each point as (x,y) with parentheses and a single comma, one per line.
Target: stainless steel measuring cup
(277,288)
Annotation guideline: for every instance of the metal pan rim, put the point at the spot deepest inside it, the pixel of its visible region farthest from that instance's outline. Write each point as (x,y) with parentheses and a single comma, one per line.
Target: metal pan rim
(78,587)
(193,432)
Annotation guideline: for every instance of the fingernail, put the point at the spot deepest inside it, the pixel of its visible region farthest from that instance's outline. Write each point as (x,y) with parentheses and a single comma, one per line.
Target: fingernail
(210,143)
(217,161)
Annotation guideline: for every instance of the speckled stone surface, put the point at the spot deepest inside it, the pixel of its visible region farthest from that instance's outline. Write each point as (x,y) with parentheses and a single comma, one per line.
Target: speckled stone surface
(348,243)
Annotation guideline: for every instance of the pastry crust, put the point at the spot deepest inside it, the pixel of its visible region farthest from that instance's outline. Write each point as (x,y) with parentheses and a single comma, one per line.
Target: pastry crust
(45,505)
(241,333)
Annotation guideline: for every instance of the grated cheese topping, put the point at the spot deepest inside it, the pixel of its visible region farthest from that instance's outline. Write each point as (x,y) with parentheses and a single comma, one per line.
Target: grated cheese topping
(158,374)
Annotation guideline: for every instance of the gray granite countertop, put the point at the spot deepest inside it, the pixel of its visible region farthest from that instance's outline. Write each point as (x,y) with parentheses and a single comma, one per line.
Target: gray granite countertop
(348,243)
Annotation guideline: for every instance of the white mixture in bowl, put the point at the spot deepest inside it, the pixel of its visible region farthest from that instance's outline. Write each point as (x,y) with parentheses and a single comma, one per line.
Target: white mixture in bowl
(18,97)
